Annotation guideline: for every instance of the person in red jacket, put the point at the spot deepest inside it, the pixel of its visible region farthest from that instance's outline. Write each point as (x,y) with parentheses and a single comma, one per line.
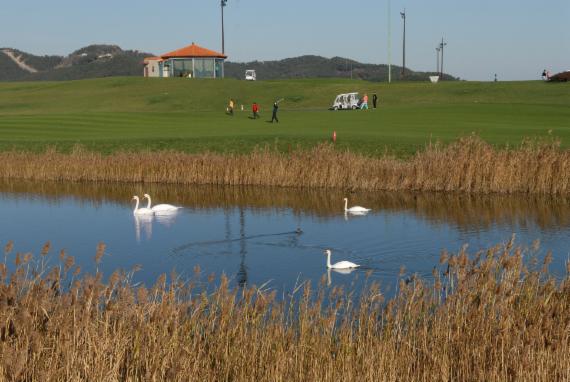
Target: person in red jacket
(255,110)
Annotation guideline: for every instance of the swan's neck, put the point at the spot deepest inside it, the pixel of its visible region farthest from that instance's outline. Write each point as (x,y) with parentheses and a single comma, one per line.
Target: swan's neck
(328,260)
(345,204)
(148,205)
(136,205)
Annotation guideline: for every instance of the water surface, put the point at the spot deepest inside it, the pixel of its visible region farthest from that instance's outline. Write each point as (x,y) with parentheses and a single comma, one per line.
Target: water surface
(252,234)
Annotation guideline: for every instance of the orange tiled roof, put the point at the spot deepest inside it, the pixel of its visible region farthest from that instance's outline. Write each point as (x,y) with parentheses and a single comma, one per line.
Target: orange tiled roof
(193,51)
(152,59)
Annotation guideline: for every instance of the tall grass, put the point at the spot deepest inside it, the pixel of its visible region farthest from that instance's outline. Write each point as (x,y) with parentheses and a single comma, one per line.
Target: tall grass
(468,165)
(485,317)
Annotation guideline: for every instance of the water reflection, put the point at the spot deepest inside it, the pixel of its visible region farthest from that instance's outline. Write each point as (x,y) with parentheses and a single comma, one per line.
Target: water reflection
(468,212)
(340,271)
(143,223)
(354,214)
(166,219)
(258,234)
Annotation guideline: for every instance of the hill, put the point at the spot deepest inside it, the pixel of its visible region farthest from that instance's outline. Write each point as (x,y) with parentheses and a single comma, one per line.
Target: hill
(96,61)
(321,67)
(90,62)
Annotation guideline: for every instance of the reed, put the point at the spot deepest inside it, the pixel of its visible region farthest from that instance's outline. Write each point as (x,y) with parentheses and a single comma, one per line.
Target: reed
(484,317)
(467,165)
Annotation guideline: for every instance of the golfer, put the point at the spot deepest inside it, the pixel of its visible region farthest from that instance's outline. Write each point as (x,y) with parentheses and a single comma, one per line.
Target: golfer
(274,116)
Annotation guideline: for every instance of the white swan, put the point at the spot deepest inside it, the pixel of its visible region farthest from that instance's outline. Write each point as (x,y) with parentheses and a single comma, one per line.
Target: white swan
(161,208)
(142,210)
(355,209)
(341,264)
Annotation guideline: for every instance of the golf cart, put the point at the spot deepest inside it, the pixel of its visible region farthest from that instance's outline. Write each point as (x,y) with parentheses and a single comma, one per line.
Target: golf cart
(250,75)
(348,101)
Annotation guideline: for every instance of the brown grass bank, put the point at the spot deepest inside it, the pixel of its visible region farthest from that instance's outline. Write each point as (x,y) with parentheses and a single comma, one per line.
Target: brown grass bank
(468,165)
(485,317)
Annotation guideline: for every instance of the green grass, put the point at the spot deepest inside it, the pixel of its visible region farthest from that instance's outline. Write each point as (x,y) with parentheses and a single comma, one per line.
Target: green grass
(188,115)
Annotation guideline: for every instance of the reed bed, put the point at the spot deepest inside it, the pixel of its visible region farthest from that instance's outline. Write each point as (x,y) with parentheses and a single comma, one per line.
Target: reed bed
(467,165)
(486,316)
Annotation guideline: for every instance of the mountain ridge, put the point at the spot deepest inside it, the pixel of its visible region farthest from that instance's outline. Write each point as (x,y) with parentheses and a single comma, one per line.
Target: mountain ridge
(105,60)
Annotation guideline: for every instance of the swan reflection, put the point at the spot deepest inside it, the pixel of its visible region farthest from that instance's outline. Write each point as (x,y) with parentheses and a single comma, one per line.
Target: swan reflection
(143,223)
(167,220)
(352,214)
(345,271)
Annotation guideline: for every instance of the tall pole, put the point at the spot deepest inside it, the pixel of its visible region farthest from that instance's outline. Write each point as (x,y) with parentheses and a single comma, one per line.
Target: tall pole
(222,5)
(437,65)
(403,14)
(443,44)
(389,43)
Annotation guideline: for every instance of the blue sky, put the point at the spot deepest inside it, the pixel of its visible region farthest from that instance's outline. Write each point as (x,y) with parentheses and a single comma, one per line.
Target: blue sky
(515,39)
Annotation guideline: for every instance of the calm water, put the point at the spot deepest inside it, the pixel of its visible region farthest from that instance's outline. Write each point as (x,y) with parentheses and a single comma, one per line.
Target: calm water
(249,233)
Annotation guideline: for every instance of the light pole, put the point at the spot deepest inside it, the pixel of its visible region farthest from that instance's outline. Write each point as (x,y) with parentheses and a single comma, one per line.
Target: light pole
(389,43)
(403,14)
(441,45)
(437,49)
(223,3)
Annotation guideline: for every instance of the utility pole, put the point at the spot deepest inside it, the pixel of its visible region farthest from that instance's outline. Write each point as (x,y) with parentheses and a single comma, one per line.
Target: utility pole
(437,49)
(403,14)
(441,45)
(223,3)
(389,43)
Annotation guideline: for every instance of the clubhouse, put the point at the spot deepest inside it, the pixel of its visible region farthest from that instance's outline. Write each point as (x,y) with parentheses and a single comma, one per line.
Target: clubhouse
(192,61)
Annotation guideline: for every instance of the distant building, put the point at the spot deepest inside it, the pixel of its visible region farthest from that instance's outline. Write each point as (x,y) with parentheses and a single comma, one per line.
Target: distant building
(192,61)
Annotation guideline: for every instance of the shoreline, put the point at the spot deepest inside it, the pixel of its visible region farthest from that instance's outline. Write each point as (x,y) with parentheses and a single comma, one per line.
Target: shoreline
(468,165)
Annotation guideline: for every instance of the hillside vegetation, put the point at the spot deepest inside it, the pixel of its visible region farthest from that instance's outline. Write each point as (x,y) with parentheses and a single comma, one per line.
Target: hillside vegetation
(321,67)
(96,61)
(93,61)
(189,115)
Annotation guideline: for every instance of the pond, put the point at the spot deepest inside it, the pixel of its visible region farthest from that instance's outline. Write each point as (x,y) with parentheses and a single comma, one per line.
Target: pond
(274,237)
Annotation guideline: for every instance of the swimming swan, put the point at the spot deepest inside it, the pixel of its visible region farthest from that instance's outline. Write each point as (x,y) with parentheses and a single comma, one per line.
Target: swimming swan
(340,264)
(141,211)
(355,209)
(161,208)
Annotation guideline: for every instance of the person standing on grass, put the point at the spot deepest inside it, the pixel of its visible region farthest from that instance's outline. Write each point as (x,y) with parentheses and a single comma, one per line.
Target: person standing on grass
(231,107)
(275,108)
(364,105)
(374,100)
(255,110)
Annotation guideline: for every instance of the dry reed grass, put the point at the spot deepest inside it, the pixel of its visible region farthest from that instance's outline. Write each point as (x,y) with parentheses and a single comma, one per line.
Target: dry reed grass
(468,165)
(485,317)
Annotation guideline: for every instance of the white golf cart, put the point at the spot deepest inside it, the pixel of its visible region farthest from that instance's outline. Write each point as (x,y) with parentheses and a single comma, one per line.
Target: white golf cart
(250,75)
(348,101)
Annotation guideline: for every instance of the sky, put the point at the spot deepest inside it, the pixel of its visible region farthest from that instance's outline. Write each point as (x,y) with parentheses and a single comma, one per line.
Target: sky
(516,39)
